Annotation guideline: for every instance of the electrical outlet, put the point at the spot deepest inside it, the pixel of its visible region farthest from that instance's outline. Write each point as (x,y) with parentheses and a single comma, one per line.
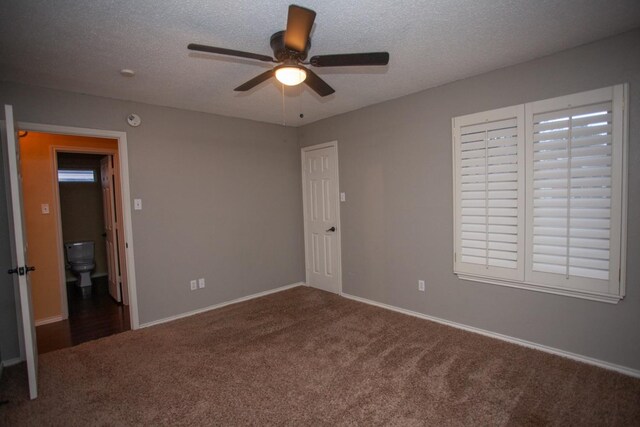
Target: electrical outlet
(421,285)
(194,285)
(201,283)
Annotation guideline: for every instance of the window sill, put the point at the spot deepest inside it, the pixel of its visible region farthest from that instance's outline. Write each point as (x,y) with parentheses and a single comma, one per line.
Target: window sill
(608,298)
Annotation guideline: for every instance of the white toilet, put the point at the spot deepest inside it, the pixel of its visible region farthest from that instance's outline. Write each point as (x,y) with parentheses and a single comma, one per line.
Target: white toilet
(81,262)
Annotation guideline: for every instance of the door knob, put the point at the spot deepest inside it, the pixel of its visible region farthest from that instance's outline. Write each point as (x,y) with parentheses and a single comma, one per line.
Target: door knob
(331,229)
(19,270)
(28,269)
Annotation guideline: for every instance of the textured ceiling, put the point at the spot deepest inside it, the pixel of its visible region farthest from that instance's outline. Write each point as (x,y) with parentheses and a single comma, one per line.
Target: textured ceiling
(80,46)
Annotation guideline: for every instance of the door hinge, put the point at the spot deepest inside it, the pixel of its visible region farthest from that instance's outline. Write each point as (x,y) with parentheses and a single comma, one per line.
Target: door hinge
(455,257)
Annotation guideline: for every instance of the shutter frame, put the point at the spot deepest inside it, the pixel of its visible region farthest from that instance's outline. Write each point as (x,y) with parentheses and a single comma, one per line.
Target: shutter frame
(500,183)
(576,280)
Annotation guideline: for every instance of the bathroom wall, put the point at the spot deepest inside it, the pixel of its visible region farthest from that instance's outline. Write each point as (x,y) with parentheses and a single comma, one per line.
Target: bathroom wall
(38,184)
(81,208)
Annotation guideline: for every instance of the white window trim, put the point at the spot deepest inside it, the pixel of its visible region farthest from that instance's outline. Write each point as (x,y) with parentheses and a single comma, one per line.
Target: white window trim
(594,296)
(620,99)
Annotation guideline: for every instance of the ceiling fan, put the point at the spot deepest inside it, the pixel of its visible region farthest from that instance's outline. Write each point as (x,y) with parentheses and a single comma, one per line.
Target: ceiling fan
(290,49)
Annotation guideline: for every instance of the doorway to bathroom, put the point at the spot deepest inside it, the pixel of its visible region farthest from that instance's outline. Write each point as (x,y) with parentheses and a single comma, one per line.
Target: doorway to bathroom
(74,227)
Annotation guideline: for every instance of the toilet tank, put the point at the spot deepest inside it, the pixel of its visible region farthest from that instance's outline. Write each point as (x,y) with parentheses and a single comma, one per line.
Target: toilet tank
(79,251)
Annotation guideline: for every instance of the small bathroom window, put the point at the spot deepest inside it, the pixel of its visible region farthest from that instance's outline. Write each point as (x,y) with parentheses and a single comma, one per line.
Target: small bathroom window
(76,175)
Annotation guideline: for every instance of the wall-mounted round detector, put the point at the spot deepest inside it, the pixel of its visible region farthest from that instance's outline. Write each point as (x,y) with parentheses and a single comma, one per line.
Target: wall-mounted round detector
(134,120)
(125,72)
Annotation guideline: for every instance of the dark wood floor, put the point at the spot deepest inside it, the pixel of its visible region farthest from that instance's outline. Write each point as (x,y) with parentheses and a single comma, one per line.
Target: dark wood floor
(95,316)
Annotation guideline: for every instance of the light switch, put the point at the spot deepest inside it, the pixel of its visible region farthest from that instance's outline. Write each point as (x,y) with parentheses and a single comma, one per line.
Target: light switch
(44,208)
(137,204)
(343,197)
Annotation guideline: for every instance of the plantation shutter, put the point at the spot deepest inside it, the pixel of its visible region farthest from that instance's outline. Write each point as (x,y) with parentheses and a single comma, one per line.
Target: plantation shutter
(489,153)
(573,192)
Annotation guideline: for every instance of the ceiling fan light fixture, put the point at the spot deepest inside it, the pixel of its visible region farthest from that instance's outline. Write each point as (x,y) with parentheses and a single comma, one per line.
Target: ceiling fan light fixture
(291,75)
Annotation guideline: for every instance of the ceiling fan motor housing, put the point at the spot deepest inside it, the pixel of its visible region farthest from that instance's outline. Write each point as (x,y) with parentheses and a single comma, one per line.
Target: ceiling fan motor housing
(280,51)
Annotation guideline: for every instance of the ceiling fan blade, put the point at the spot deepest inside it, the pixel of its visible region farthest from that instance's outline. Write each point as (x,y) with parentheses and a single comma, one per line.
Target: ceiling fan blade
(230,52)
(255,81)
(299,23)
(349,59)
(317,84)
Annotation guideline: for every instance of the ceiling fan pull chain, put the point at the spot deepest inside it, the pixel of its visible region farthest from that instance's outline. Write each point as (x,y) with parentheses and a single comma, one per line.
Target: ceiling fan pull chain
(284,122)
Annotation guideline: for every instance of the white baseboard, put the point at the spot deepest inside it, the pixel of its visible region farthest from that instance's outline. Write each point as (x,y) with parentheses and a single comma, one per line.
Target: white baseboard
(47,320)
(11,362)
(220,305)
(580,358)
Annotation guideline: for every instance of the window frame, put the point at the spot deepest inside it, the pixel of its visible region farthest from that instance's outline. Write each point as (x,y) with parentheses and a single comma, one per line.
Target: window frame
(546,282)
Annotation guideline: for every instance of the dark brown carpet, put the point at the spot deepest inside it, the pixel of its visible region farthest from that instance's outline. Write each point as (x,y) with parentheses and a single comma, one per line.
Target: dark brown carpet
(306,357)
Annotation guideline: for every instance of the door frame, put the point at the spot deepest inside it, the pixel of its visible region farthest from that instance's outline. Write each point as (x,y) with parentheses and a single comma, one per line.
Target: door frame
(303,152)
(55,150)
(125,200)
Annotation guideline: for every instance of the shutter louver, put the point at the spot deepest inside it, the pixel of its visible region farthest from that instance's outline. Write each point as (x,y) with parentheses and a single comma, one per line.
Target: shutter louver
(572,180)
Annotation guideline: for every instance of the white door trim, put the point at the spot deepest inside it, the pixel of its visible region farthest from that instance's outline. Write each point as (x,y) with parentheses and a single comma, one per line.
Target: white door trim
(123,156)
(303,151)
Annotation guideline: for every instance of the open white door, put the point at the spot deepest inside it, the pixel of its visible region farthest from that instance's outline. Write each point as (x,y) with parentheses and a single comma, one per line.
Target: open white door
(110,224)
(20,268)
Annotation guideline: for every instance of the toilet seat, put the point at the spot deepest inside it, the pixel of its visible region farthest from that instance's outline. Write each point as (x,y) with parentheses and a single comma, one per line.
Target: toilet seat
(82,266)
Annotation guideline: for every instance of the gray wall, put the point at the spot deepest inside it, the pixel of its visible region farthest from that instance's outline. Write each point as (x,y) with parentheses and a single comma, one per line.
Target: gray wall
(221,199)
(395,167)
